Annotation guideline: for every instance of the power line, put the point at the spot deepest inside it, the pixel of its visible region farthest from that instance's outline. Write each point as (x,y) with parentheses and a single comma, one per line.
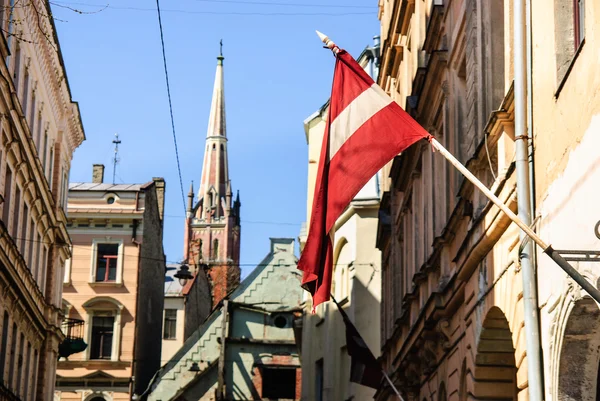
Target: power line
(264,3)
(183,11)
(138,256)
(274,223)
(162,42)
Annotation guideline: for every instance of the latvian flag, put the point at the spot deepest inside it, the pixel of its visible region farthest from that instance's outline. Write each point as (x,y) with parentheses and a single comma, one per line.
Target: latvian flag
(366,129)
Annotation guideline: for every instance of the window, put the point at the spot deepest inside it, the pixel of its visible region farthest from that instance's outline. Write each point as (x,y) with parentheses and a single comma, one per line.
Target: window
(44,268)
(16,210)
(17,72)
(7,194)
(319,380)
(10,27)
(67,278)
(27,363)
(170,324)
(44,150)
(215,249)
(38,133)
(578,21)
(103,328)
(32,115)
(106,262)
(13,354)
(278,382)
(34,376)
(31,244)
(102,337)
(24,229)
(51,167)
(569,32)
(36,258)
(65,189)
(280,321)
(25,91)
(4,345)
(20,363)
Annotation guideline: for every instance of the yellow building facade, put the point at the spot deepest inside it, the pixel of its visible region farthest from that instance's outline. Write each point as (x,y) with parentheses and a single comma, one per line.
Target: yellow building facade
(114,283)
(40,127)
(452,297)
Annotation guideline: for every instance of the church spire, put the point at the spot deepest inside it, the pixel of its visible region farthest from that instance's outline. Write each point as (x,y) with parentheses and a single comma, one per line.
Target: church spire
(215,169)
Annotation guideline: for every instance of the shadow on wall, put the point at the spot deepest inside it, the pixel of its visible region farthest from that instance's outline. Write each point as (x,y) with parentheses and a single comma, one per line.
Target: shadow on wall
(324,344)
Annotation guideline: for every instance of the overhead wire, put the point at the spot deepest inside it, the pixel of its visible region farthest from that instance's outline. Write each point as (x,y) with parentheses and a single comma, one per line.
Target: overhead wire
(138,256)
(267,3)
(162,42)
(184,11)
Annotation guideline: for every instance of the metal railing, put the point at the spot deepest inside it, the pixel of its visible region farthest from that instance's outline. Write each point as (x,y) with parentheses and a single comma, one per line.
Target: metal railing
(72,328)
(6,394)
(73,342)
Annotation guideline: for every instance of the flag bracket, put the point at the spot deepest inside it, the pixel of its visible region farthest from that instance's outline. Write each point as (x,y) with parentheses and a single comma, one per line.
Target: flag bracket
(572,255)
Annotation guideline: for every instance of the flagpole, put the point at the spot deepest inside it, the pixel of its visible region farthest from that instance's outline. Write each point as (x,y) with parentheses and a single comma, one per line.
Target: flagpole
(548,250)
(392,385)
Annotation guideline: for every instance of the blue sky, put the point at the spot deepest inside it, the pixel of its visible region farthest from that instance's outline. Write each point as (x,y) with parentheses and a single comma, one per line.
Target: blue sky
(276,75)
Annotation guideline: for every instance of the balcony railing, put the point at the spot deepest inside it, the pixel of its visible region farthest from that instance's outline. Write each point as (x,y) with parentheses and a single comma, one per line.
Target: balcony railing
(6,394)
(73,343)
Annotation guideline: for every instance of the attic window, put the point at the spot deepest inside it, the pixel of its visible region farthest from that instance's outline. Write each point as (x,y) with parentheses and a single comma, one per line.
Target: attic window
(280,321)
(110,200)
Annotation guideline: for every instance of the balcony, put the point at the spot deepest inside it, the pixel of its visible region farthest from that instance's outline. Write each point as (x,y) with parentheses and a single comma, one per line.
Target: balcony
(73,342)
(6,394)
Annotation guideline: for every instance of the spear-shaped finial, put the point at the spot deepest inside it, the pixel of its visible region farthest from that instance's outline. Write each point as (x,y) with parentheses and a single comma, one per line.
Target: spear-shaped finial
(328,42)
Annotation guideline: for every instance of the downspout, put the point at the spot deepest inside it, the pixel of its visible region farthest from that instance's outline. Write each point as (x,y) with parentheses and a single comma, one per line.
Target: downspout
(531,316)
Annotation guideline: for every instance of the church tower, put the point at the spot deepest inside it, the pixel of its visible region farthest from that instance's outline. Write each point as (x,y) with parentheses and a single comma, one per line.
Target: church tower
(212,229)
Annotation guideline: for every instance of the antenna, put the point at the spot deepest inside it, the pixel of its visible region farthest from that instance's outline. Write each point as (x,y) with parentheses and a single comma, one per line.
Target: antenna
(116,159)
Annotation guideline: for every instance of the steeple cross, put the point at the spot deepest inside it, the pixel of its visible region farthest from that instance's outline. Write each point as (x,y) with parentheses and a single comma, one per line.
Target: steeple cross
(221,47)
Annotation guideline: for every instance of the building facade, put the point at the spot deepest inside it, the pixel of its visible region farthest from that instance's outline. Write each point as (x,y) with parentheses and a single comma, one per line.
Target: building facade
(452,314)
(40,128)
(212,226)
(114,282)
(186,308)
(246,349)
(356,282)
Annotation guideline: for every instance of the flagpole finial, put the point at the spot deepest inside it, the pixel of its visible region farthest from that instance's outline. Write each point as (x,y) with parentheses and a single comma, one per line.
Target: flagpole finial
(328,42)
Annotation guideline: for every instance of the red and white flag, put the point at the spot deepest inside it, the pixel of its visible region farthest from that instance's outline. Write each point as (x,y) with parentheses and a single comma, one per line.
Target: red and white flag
(365,130)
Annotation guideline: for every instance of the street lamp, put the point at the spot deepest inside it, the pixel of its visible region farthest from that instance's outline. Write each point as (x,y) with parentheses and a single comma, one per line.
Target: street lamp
(183,274)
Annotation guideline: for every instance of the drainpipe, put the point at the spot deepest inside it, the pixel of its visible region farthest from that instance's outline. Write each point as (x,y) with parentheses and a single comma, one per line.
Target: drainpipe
(532,327)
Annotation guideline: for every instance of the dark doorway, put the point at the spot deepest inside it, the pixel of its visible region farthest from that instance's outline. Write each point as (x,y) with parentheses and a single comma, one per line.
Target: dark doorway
(278,382)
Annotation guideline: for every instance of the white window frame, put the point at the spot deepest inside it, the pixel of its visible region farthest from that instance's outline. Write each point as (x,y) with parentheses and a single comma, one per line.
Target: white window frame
(113,311)
(119,279)
(67,275)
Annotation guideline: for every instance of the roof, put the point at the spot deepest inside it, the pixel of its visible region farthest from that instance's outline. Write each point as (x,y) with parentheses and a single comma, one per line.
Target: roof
(172,286)
(91,186)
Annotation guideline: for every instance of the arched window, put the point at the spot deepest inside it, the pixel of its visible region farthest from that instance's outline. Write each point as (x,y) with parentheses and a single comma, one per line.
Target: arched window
(214,146)
(215,249)
(442,396)
(221,147)
(103,322)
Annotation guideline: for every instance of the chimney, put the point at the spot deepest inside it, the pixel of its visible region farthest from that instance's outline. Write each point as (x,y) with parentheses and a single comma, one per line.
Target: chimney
(98,174)
(159,182)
